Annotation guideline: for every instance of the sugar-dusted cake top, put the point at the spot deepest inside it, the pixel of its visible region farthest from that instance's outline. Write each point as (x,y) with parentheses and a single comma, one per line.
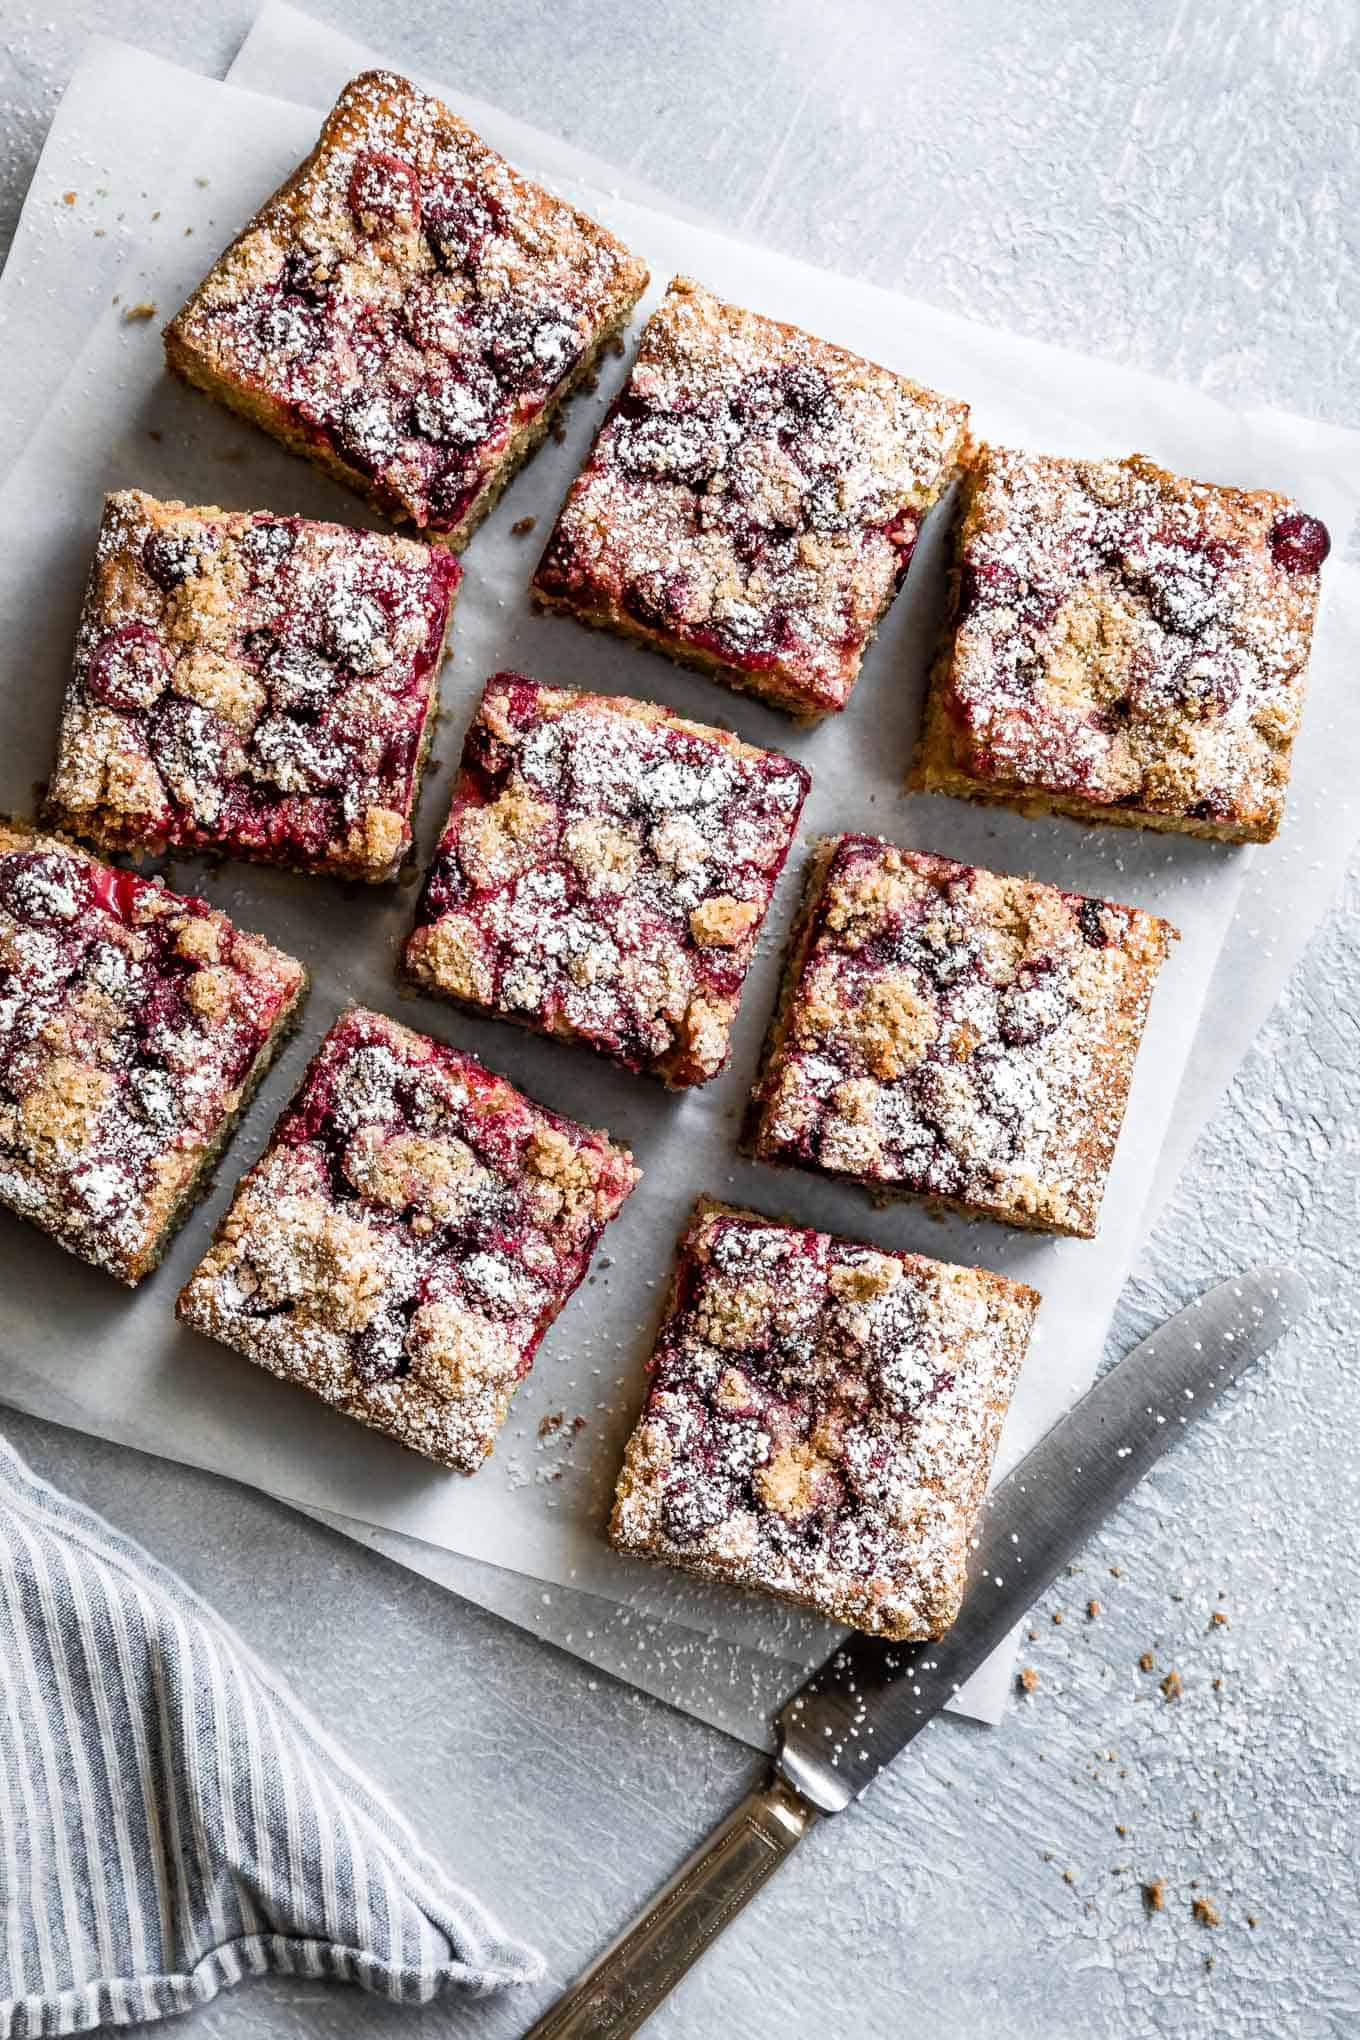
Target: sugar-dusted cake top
(257,684)
(130,1019)
(821,1420)
(1131,638)
(959,1034)
(410,299)
(604,873)
(754,497)
(413,1228)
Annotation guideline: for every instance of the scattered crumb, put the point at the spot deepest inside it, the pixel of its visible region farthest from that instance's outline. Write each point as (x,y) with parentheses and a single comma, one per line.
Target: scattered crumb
(153,433)
(1146,1661)
(1154,1894)
(1028,1679)
(558,431)
(1069,1876)
(553,1421)
(1120,1828)
(1171,1685)
(1205,1913)
(522,526)
(1057,1618)
(202,183)
(1218,1685)
(617,346)
(68,198)
(143,309)
(1034,1636)
(1116,1572)
(1093,1608)
(1253,1919)
(1219,1619)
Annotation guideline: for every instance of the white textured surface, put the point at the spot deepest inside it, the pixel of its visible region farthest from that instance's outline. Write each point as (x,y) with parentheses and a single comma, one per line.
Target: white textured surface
(1163,184)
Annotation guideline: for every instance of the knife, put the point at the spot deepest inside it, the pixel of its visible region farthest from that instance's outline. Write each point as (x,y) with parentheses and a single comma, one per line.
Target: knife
(870,1699)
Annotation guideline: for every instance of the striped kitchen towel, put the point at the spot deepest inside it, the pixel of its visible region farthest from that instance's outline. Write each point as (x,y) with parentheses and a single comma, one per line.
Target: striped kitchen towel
(171,1820)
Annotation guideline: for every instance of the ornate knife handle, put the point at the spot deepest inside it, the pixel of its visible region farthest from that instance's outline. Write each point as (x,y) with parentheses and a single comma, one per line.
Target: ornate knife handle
(627,1983)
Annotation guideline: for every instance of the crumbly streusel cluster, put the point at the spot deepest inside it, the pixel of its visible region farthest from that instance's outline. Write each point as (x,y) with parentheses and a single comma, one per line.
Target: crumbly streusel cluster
(406,307)
(821,1419)
(255,684)
(1129,643)
(958,1034)
(131,1022)
(753,500)
(604,874)
(414,1226)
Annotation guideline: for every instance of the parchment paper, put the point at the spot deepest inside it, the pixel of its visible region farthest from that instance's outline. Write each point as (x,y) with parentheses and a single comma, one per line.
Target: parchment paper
(115,1364)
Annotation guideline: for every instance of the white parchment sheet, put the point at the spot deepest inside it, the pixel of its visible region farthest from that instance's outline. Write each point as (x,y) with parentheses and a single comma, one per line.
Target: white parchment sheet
(80,1351)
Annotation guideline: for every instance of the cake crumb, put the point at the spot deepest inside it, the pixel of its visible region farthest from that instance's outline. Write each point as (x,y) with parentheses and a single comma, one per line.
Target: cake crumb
(1093,1609)
(522,526)
(143,309)
(1028,1679)
(1205,1913)
(1146,1661)
(1253,1919)
(1069,1876)
(1154,1894)
(1120,1828)
(1219,1619)
(68,198)
(1057,1618)
(1116,1572)
(1171,1685)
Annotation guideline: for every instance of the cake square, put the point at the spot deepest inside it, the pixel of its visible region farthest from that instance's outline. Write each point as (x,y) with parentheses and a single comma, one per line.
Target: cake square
(821,1419)
(260,686)
(134,1025)
(1129,646)
(407,311)
(604,874)
(752,501)
(406,1239)
(950,1033)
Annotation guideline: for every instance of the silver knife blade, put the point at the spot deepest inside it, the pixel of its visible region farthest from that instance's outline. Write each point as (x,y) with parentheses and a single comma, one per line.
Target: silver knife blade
(865,1704)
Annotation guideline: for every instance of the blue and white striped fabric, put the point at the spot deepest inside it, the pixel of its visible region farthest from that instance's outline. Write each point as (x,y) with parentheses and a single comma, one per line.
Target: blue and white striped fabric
(171,1820)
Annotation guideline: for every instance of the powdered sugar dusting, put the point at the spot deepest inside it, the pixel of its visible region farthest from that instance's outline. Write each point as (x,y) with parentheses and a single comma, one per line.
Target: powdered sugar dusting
(1129,639)
(754,499)
(821,1419)
(408,302)
(130,1019)
(412,1230)
(959,1034)
(604,873)
(250,683)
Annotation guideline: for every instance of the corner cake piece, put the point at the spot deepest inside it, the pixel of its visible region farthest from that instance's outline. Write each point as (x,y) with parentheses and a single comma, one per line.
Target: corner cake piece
(134,1025)
(406,1239)
(263,686)
(957,1035)
(752,501)
(604,874)
(407,310)
(1130,646)
(821,1420)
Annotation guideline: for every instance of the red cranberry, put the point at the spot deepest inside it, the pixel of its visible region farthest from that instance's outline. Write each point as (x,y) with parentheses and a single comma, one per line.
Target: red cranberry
(170,557)
(1179,577)
(459,220)
(382,193)
(1090,919)
(691,1508)
(365,430)
(988,584)
(379,1350)
(130,668)
(667,446)
(1034,1004)
(39,888)
(457,409)
(528,349)
(1299,543)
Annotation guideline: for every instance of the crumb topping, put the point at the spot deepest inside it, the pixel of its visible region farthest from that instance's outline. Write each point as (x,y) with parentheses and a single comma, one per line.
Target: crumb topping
(959,1034)
(604,873)
(821,1419)
(1130,637)
(407,1238)
(251,683)
(754,495)
(130,1018)
(409,300)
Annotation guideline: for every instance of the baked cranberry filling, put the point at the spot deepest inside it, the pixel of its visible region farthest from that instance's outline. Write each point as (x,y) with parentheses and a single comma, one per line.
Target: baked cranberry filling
(604,873)
(949,1032)
(1128,637)
(276,707)
(819,1420)
(129,1017)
